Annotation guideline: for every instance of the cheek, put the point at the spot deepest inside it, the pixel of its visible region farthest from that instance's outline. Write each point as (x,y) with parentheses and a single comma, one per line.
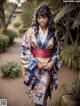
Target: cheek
(46,21)
(39,21)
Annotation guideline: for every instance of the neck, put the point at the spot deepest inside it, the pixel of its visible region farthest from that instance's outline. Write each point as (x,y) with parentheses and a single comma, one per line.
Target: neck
(44,28)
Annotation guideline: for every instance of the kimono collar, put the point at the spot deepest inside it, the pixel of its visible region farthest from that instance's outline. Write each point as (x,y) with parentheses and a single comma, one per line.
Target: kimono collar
(43,33)
(42,39)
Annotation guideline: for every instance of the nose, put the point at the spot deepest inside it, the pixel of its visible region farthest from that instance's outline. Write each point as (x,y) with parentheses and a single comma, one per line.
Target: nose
(41,20)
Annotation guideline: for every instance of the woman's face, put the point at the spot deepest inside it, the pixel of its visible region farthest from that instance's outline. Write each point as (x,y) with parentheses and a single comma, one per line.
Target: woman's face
(43,21)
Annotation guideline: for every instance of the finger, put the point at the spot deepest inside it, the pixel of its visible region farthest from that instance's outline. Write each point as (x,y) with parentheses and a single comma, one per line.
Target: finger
(45,68)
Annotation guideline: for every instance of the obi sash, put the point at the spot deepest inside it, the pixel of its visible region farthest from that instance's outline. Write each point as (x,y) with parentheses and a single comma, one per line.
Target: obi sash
(43,53)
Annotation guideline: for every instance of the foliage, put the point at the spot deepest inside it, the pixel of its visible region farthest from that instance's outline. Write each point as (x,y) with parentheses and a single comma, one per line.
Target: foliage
(27,14)
(22,30)
(69,16)
(76,22)
(6,38)
(11,34)
(71,56)
(74,87)
(11,69)
(10,17)
(68,89)
(4,41)
(8,8)
(2,1)
(63,89)
(6,12)
(17,22)
(60,31)
(65,10)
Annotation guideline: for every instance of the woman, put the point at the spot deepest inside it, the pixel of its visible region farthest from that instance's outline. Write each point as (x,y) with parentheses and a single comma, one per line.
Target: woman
(40,57)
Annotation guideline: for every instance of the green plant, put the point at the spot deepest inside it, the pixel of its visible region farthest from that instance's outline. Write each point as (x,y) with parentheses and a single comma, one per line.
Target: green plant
(22,30)
(11,69)
(63,89)
(60,31)
(17,22)
(71,56)
(4,41)
(74,87)
(11,34)
(27,14)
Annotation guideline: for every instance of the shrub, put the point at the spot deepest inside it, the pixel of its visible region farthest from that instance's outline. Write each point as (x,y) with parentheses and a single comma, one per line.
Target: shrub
(71,56)
(60,31)
(11,69)
(17,22)
(4,41)
(74,87)
(11,34)
(22,30)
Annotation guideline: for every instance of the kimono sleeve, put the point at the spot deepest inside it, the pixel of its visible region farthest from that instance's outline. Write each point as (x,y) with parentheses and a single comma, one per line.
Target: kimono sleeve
(56,59)
(27,59)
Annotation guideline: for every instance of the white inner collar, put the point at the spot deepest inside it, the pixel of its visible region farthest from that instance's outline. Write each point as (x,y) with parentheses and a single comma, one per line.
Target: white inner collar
(41,31)
(42,34)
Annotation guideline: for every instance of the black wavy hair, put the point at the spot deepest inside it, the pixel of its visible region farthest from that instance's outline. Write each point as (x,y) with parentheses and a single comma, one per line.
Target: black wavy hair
(45,11)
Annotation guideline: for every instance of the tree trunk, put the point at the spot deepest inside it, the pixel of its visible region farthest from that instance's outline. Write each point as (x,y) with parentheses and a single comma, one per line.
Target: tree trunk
(67,34)
(2,18)
(68,37)
(12,14)
(77,37)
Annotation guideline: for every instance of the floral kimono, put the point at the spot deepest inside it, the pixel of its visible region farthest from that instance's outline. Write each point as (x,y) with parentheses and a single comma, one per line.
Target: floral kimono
(37,48)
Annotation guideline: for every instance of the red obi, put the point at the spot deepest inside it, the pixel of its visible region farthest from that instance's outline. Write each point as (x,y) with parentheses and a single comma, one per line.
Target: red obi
(43,53)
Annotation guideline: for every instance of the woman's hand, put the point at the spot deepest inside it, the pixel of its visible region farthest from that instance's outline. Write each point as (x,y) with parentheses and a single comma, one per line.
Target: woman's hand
(39,66)
(48,66)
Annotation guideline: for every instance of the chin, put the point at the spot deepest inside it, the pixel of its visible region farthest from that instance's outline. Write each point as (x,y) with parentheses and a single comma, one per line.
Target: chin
(42,25)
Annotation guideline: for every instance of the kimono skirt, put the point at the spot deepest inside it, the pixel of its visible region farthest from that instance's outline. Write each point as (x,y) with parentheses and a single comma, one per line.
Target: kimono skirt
(39,79)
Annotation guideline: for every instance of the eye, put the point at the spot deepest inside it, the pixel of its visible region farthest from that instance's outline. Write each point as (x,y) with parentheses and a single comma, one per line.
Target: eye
(38,17)
(41,17)
(44,17)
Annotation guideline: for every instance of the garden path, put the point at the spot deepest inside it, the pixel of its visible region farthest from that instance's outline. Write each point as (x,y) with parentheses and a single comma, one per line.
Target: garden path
(14,89)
